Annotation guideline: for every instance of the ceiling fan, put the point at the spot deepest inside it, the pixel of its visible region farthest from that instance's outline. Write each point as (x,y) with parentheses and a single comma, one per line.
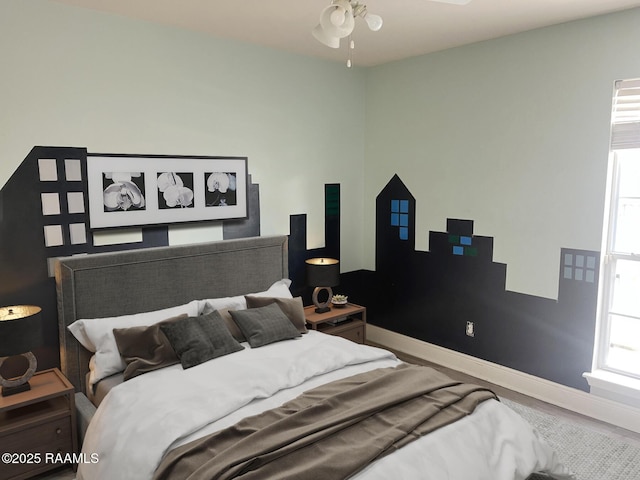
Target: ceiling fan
(337,21)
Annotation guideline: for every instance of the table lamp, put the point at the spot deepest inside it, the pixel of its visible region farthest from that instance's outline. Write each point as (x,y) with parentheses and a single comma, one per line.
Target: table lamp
(322,273)
(20,332)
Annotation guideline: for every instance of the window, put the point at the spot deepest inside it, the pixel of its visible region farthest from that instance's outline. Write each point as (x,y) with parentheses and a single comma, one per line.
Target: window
(618,349)
(400,217)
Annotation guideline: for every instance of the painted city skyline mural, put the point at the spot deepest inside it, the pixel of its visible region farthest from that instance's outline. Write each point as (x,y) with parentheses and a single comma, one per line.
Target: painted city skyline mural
(428,295)
(433,295)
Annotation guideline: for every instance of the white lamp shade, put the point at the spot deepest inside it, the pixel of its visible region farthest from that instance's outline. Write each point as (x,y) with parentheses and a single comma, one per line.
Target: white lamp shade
(321,35)
(337,19)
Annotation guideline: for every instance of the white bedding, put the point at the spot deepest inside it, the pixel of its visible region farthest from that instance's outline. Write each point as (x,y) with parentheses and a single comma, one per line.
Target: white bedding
(141,419)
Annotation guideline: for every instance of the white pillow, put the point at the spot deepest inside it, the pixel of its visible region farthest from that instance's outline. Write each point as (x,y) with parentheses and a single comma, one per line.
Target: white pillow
(96,335)
(279,289)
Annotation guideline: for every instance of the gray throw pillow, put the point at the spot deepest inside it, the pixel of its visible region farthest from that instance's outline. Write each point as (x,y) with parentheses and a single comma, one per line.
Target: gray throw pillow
(198,339)
(293,308)
(231,325)
(264,325)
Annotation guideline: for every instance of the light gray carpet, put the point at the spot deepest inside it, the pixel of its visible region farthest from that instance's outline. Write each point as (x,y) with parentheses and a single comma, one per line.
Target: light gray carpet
(590,454)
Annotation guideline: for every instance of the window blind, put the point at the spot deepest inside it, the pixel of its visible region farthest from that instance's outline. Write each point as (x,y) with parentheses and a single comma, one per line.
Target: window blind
(625,128)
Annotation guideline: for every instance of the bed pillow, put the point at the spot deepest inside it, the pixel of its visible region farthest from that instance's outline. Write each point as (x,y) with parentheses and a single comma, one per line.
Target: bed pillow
(264,325)
(145,349)
(96,335)
(277,289)
(198,339)
(231,325)
(293,308)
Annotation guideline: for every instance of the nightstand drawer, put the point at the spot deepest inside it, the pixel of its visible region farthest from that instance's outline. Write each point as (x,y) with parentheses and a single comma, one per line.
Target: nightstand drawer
(37,425)
(353,330)
(51,437)
(355,334)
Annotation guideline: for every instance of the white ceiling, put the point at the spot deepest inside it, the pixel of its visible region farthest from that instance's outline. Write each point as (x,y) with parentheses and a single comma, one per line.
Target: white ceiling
(411,27)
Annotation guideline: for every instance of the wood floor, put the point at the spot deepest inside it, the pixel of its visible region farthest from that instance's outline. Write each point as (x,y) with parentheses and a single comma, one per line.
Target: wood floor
(603,427)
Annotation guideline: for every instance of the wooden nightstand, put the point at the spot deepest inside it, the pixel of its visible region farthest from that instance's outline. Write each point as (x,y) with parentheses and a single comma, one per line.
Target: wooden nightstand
(349,322)
(38,427)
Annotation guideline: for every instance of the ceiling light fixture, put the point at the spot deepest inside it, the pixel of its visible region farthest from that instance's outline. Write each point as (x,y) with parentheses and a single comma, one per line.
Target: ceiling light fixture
(337,21)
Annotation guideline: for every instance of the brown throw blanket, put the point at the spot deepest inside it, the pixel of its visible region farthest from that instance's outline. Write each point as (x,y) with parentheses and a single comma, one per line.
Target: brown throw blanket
(330,432)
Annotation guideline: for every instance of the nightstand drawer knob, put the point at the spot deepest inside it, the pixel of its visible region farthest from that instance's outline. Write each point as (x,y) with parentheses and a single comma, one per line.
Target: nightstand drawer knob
(58,431)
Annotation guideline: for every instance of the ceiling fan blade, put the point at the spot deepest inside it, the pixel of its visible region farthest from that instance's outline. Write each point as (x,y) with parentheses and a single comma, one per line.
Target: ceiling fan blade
(454,2)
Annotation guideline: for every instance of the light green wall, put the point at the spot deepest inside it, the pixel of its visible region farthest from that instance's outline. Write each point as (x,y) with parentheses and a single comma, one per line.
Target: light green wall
(75,77)
(511,133)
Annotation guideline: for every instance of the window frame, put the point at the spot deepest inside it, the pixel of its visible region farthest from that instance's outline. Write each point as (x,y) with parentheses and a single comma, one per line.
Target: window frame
(608,275)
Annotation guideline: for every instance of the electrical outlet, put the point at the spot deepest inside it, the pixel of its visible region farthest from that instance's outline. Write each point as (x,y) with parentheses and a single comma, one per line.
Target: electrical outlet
(470,331)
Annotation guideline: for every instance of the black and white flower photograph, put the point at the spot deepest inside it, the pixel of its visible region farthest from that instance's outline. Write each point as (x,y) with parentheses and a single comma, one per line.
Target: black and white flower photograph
(221,189)
(123,191)
(175,190)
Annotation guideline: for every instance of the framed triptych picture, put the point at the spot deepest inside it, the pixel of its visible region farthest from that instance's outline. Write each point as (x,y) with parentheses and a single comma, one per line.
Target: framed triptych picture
(145,190)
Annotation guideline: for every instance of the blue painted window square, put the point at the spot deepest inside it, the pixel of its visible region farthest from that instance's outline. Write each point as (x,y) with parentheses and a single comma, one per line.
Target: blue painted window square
(465,240)
(395,219)
(591,262)
(458,250)
(579,260)
(404,206)
(568,259)
(404,220)
(395,206)
(591,276)
(404,233)
(578,274)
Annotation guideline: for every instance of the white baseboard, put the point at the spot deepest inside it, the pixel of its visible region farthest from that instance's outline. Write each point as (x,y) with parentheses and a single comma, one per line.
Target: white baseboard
(621,415)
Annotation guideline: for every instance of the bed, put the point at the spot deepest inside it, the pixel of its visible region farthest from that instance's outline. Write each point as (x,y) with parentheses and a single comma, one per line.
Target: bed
(225,417)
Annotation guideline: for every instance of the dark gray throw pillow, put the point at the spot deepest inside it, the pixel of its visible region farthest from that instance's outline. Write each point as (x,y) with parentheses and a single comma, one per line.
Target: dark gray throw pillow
(293,308)
(231,325)
(198,339)
(264,325)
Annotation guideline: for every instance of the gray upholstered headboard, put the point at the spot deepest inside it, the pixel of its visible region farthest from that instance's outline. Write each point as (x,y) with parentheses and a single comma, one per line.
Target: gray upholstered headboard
(121,283)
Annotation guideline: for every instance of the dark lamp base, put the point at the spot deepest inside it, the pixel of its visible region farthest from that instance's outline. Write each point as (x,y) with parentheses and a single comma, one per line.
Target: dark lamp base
(7,391)
(322,309)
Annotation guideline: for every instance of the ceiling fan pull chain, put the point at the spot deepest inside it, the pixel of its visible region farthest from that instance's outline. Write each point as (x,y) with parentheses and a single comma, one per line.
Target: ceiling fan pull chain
(352,45)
